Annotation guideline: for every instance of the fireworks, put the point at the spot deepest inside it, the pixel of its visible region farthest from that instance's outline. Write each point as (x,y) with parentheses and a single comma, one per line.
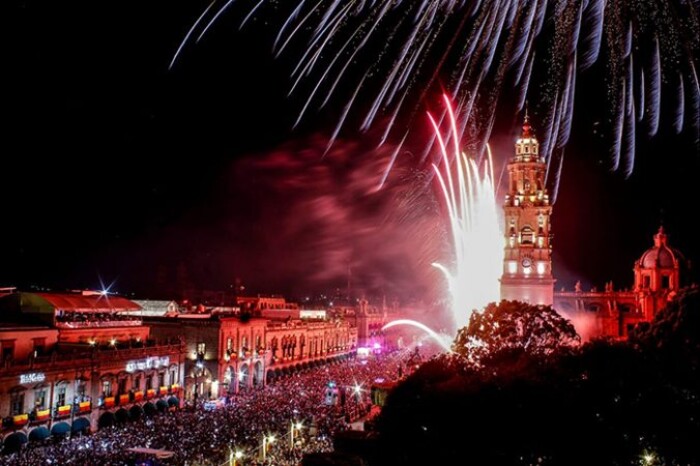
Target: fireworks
(474,226)
(442,340)
(392,53)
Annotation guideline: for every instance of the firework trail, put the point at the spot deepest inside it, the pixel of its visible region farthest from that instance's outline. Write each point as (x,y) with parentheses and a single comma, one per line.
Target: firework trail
(383,57)
(477,240)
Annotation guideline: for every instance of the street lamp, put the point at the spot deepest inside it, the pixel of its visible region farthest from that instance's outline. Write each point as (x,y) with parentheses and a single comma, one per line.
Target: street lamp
(266,441)
(295,426)
(233,457)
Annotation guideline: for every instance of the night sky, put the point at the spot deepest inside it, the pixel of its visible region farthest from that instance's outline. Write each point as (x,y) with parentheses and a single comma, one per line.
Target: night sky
(116,169)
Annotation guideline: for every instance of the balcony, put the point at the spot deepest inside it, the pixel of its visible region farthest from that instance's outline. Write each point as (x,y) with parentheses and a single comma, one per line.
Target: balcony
(99,324)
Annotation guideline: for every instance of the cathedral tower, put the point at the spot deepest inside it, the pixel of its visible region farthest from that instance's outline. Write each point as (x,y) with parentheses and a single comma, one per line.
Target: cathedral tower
(527,263)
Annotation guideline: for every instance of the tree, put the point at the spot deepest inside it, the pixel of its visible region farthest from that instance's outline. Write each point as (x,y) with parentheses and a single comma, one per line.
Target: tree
(514,327)
(673,338)
(607,404)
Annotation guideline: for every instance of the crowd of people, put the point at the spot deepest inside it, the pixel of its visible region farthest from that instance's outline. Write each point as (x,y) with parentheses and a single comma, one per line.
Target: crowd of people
(293,415)
(87,319)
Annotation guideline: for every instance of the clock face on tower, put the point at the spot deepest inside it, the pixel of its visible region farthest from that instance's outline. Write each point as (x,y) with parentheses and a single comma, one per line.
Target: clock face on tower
(526,262)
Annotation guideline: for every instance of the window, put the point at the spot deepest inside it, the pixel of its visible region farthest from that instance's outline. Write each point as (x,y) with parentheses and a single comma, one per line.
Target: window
(39,346)
(244,344)
(173,375)
(665,281)
(80,391)
(258,341)
(122,386)
(137,383)
(229,344)
(149,381)
(107,388)
(16,403)
(40,398)
(161,379)
(61,394)
(8,349)
(201,348)
(526,235)
(646,281)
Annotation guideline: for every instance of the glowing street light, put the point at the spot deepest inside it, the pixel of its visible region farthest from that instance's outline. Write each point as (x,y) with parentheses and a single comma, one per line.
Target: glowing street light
(648,459)
(266,442)
(233,457)
(295,426)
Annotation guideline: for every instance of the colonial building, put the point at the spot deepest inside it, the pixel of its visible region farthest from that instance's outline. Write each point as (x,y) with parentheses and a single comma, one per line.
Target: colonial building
(71,363)
(224,353)
(369,321)
(657,279)
(229,352)
(527,263)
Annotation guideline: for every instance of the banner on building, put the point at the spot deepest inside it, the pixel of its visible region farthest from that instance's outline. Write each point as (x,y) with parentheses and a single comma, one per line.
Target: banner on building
(63,410)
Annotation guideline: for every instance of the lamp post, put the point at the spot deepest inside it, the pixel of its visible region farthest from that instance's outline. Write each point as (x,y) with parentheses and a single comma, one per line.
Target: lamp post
(233,457)
(266,441)
(294,426)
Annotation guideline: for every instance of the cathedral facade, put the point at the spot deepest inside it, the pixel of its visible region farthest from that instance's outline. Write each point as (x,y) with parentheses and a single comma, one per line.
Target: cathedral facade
(527,264)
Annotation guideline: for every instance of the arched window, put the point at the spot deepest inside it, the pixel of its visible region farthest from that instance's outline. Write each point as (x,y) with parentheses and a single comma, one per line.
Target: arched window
(526,235)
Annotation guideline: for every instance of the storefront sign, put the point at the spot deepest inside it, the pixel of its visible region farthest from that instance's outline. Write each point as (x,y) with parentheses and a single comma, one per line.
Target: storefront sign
(148,363)
(32,377)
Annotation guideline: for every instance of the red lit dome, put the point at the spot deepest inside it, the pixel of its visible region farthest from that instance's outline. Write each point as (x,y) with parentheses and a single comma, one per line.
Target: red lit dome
(660,255)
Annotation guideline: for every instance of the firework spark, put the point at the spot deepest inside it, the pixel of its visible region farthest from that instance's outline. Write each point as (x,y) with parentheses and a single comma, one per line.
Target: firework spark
(443,340)
(470,200)
(392,53)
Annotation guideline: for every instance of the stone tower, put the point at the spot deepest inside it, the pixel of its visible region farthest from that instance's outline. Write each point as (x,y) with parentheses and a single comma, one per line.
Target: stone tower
(527,263)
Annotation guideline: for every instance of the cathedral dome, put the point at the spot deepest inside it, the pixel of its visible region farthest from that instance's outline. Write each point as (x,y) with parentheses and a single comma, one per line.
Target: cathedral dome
(661,255)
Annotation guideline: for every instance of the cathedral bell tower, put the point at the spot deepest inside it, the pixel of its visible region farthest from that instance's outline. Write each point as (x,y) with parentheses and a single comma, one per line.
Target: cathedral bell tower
(527,263)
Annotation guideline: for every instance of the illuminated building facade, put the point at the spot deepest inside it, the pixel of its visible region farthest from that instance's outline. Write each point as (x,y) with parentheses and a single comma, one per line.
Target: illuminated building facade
(527,265)
(527,262)
(71,363)
(657,279)
(229,353)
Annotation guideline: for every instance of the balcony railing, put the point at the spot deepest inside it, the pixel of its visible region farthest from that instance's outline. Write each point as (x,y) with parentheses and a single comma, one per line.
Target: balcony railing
(99,324)
(87,356)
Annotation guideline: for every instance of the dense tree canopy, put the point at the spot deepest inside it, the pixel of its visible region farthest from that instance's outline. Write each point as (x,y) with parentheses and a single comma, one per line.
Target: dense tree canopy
(606,403)
(674,336)
(514,327)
